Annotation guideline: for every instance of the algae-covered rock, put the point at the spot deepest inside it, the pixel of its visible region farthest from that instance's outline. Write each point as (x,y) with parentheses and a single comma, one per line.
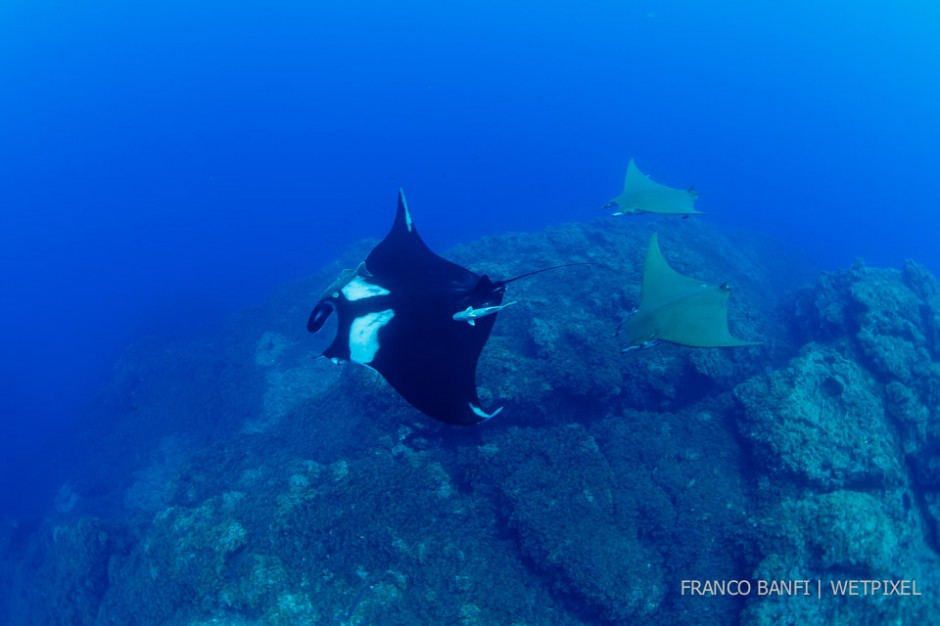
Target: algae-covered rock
(679,480)
(836,537)
(619,512)
(558,493)
(888,323)
(188,554)
(390,538)
(845,435)
(820,419)
(844,530)
(66,573)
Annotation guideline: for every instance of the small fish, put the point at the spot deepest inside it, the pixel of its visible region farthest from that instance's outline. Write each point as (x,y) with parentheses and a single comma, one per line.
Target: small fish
(470,314)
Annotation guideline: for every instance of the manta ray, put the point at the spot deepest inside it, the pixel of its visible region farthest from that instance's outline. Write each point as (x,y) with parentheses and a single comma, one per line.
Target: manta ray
(417,319)
(642,195)
(678,309)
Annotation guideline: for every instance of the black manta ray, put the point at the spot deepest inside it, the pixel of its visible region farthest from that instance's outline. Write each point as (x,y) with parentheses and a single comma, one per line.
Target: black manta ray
(416,318)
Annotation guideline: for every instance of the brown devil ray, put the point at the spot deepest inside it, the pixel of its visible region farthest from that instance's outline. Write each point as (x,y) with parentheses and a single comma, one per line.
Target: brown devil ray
(642,195)
(678,309)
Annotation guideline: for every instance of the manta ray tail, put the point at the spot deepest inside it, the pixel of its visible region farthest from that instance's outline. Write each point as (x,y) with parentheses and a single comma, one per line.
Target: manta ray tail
(544,269)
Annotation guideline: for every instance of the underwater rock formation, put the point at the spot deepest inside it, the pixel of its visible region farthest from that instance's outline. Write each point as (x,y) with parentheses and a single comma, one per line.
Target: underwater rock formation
(237,480)
(845,435)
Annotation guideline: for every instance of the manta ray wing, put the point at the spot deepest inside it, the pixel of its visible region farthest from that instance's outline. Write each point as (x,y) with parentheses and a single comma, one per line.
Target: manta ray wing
(397,317)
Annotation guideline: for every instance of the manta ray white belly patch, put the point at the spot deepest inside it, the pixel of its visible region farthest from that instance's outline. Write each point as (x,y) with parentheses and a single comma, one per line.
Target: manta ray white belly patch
(358,289)
(364,335)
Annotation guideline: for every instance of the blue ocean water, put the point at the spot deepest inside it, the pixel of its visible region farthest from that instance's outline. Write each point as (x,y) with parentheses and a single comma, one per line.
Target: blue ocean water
(163,164)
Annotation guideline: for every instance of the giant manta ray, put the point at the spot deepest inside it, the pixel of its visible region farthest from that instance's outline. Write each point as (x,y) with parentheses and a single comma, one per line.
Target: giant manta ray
(416,318)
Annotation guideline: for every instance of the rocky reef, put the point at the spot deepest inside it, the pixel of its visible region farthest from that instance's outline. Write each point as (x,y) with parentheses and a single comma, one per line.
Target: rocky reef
(238,480)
